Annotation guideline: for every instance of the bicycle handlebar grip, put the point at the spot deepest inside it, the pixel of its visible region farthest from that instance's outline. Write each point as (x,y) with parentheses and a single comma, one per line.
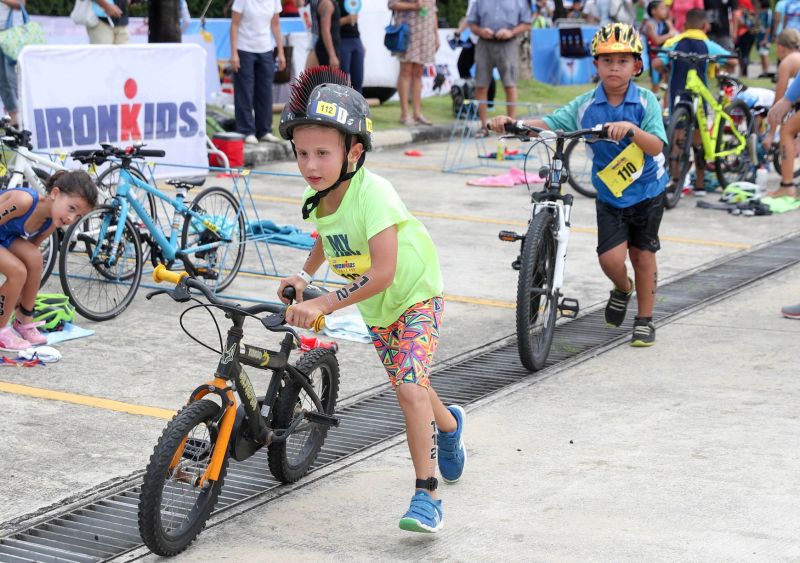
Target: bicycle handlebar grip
(162,274)
(153,153)
(289,292)
(82,153)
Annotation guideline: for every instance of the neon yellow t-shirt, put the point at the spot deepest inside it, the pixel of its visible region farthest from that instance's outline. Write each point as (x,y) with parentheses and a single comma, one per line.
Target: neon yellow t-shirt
(370,206)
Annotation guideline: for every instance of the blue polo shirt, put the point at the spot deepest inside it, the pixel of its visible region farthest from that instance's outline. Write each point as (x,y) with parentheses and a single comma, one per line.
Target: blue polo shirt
(639,107)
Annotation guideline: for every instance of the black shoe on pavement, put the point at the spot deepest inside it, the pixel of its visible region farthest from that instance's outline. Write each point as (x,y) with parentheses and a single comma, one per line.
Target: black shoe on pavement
(644,333)
(617,305)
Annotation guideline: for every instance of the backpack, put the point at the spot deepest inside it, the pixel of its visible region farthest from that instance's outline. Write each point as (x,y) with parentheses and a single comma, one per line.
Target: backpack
(461,92)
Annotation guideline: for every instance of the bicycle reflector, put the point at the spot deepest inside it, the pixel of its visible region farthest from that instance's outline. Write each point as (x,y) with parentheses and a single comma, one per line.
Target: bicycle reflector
(510,236)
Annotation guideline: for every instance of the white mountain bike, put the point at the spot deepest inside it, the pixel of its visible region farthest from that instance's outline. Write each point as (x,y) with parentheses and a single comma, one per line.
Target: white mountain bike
(543,255)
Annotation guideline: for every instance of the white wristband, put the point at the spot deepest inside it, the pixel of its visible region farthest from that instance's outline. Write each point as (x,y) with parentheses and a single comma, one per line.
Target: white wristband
(306,277)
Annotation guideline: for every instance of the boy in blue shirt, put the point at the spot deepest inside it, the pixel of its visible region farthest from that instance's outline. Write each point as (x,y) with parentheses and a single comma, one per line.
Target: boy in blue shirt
(628,211)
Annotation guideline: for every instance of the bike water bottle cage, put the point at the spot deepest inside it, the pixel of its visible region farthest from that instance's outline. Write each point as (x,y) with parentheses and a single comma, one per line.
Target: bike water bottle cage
(429,484)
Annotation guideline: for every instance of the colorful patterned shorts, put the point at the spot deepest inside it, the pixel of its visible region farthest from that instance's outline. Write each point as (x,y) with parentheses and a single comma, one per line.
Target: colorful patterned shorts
(406,347)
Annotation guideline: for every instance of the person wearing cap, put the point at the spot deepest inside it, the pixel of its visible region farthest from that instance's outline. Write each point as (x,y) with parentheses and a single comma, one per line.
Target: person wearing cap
(368,236)
(630,208)
(497,24)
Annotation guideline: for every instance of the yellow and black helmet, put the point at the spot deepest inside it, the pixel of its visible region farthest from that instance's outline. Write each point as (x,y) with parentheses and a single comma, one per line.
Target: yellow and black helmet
(616,38)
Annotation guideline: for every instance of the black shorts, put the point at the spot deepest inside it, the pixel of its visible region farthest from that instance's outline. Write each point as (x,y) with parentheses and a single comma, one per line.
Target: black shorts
(637,225)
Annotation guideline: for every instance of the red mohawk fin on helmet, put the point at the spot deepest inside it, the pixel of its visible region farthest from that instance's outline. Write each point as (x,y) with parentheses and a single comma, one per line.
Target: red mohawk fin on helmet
(310,79)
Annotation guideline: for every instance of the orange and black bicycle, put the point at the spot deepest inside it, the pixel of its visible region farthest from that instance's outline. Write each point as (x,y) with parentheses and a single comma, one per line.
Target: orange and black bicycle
(187,469)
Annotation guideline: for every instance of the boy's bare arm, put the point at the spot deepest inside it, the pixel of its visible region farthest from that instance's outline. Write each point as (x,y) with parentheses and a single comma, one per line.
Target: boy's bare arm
(497,124)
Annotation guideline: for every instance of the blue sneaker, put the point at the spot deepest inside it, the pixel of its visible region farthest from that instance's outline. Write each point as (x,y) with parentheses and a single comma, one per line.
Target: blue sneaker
(452,454)
(423,515)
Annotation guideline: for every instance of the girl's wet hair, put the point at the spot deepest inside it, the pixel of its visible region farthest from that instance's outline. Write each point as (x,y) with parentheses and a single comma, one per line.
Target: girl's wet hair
(75,183)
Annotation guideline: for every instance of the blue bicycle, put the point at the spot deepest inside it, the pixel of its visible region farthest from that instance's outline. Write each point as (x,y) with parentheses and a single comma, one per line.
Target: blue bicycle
(101,258)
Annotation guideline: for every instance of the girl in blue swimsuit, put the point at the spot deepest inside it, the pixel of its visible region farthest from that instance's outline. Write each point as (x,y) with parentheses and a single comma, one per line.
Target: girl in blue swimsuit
(26,219)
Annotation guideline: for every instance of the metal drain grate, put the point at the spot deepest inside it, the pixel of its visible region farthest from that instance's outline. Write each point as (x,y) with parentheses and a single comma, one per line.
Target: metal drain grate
(108,527)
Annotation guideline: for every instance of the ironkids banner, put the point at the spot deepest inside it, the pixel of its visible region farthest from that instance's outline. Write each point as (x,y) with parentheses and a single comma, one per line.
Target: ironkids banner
(81,96)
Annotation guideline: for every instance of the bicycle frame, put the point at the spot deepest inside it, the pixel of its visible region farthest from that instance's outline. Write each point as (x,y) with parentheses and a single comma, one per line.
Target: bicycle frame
(697,87)
(229,371)
(124,201)
(561,206)
(21,168)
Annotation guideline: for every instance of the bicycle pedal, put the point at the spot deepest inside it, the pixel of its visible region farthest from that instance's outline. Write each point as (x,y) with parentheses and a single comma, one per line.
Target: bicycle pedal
(569,307)
(510,236)
(207,273)
(324,419)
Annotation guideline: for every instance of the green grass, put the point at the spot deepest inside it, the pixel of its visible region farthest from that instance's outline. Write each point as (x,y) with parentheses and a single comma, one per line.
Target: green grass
(439,108)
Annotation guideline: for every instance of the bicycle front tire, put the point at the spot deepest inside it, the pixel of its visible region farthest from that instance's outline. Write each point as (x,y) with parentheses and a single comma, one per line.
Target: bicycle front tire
(678,153)
(100,292)
(579,175)
(172,509)
(220,265)
(291,459)
(536,300)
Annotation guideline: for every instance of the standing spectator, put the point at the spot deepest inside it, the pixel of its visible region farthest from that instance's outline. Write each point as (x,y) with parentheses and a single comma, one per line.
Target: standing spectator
(112,29)
(680,8)
(8,67)
(791,15)
(764,36)
(352,49)
(423,42)
(328,47)
(466,58)
(657,28)
(497,23)
(720,19)
(255,34)
(745,22)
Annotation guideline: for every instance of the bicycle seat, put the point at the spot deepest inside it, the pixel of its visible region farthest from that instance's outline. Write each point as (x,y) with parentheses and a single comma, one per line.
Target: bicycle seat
(187,183)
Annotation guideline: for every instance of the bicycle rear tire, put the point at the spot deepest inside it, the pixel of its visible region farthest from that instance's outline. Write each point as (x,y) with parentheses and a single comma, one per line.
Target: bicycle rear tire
(220,265)
(100,292)
(739,167)
(579,176)
(291,459)
(536,302)
(677,153)
(172,509)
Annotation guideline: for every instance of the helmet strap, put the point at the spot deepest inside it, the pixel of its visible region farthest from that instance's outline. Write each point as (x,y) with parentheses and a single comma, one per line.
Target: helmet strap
(312,202)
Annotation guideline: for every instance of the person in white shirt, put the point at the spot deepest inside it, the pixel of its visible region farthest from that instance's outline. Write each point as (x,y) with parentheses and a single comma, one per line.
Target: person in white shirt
(255,36)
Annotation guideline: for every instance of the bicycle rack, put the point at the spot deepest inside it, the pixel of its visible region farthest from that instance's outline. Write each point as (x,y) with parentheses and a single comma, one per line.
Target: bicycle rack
(466,153)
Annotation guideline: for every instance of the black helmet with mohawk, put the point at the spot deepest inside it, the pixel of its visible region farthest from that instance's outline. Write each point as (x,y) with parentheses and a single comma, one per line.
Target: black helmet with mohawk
(323,96)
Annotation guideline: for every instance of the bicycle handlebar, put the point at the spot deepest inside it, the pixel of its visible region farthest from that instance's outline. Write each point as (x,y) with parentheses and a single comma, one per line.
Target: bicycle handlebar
(691,57)
(99,156)
(599,131)
(162,274)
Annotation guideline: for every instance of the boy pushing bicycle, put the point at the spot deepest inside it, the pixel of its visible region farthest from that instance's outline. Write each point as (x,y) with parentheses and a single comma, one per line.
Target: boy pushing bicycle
(629,205)
(695,41)
(368,236)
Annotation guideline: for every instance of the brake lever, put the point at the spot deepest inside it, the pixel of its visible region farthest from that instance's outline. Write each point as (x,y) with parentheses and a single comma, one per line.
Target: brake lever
(180,293)
(276,322)
(154,293)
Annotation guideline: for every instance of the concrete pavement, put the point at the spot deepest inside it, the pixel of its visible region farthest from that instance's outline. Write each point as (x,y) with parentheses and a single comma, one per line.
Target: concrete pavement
(687,451)
(637,430)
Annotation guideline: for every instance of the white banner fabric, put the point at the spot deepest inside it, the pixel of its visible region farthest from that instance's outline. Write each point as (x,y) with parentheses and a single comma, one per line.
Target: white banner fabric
(81,96)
